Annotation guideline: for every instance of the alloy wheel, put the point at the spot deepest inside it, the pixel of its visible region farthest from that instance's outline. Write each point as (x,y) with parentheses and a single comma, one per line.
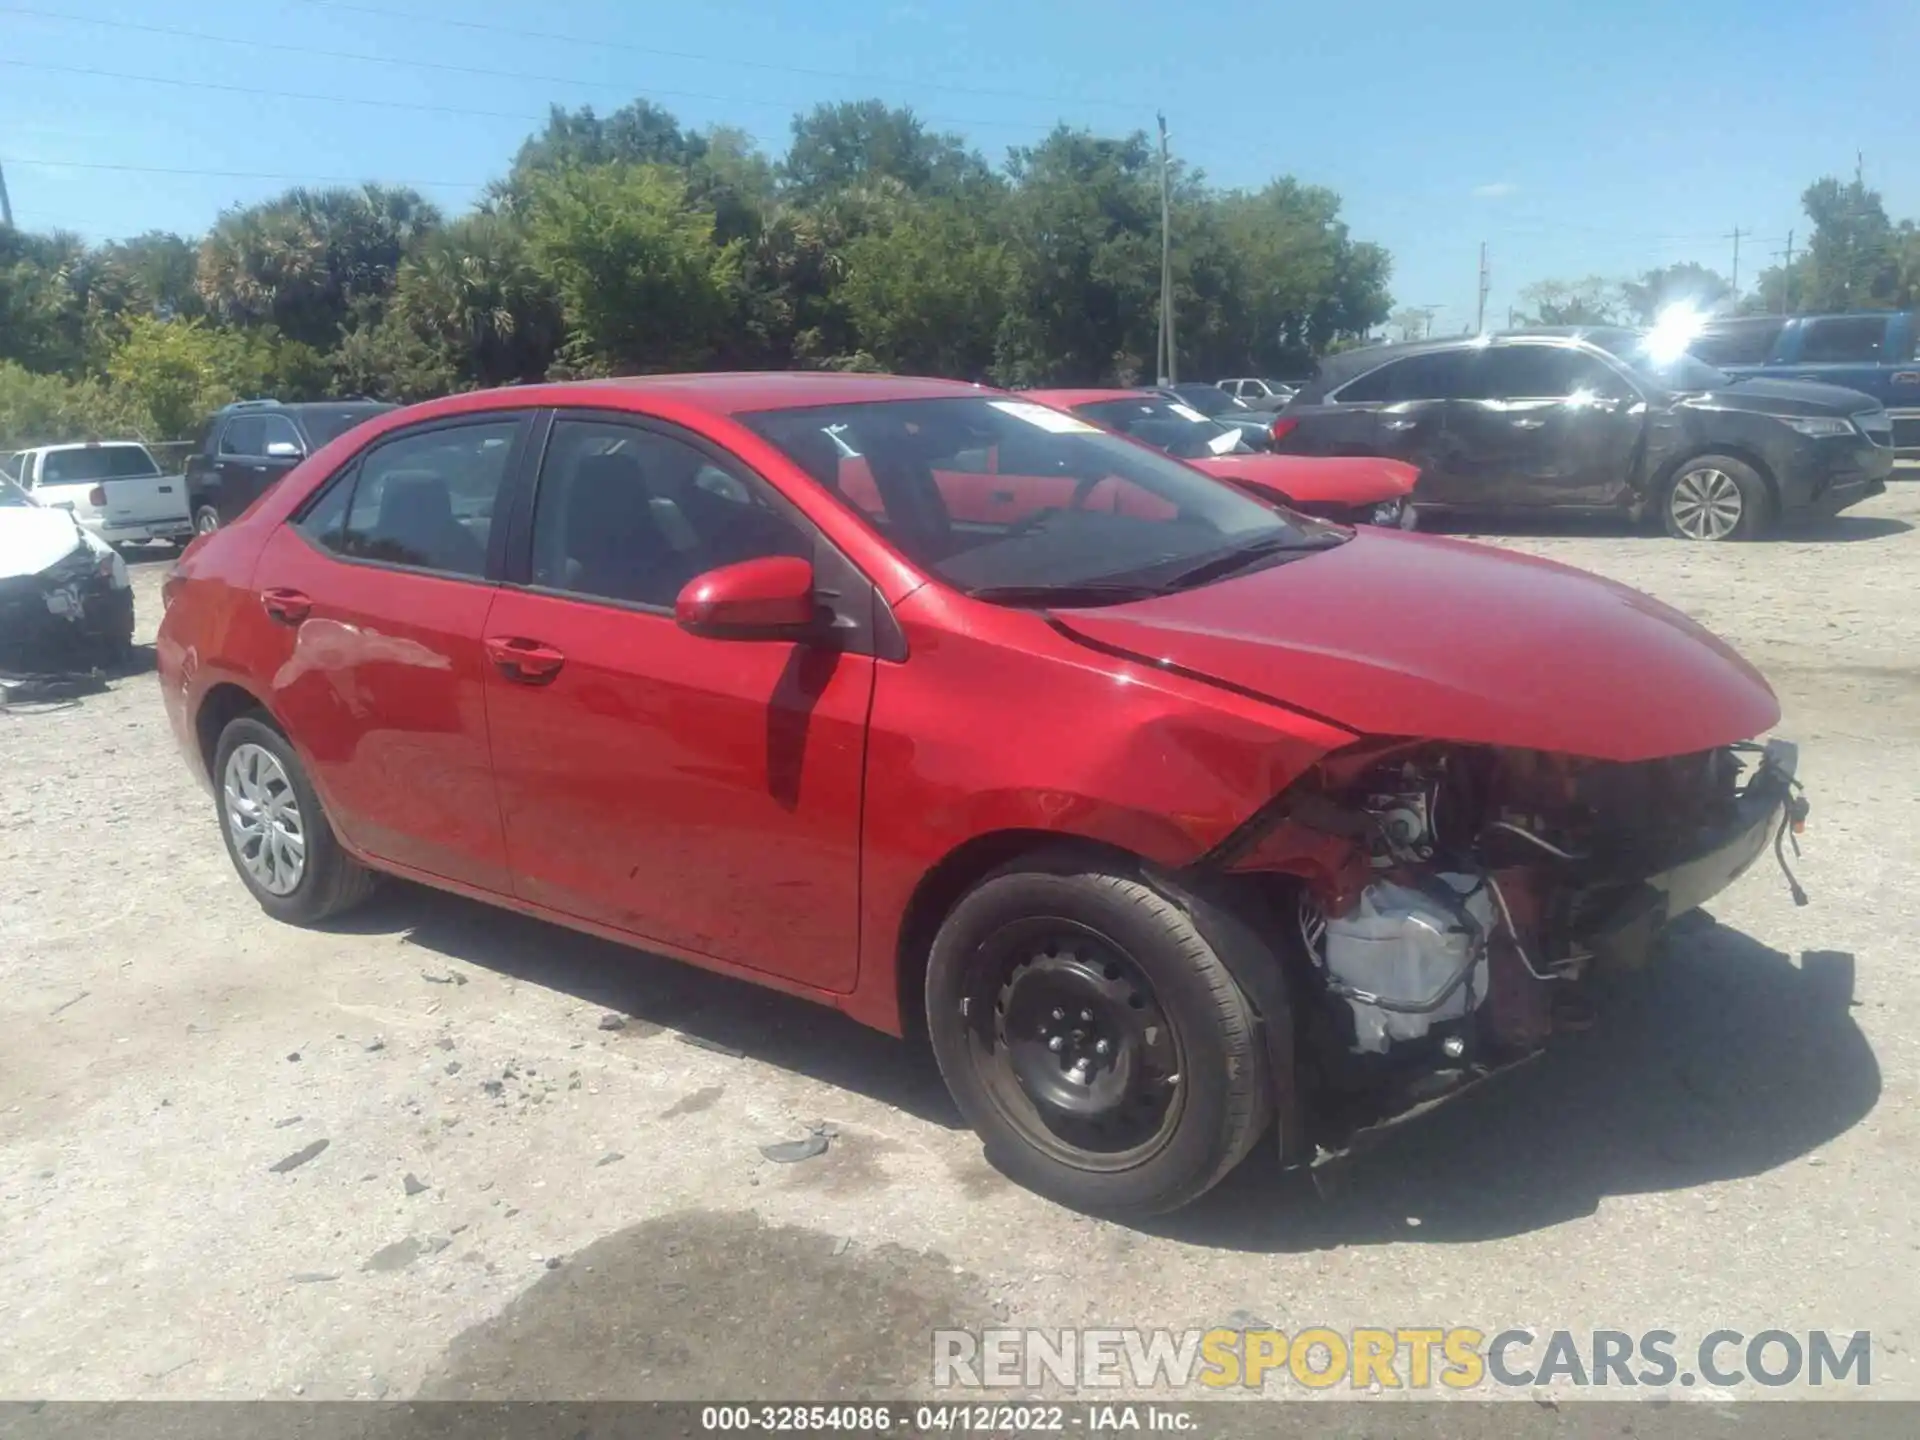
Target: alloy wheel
(263,818)
(1706,504)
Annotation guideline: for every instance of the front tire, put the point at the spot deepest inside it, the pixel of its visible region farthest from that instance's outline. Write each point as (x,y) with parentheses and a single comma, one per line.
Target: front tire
(276,832)
(1716,497)
(206,519)
(1092,1037)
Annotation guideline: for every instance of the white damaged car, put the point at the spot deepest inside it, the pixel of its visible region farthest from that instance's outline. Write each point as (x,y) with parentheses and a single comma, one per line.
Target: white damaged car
(65,596)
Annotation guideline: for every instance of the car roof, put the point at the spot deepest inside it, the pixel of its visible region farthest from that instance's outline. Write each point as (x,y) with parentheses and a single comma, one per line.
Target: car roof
(79,445)
(745,391)
(1069,399)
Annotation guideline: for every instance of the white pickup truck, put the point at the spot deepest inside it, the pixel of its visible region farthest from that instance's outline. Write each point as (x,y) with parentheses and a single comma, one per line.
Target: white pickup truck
(113,487)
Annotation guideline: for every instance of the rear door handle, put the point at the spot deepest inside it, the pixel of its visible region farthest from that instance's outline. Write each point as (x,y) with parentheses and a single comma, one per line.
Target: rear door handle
(1523,423)
(1398,424)
(529,662)
(286,607)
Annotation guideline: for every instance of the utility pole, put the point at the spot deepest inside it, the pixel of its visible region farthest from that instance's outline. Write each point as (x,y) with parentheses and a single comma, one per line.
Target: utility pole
(6,205)
(1480,312)
(1168,375)
(1736,262)
(1786,276)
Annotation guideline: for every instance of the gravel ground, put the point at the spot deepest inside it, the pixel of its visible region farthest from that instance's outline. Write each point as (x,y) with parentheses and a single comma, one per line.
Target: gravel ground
(406,1157)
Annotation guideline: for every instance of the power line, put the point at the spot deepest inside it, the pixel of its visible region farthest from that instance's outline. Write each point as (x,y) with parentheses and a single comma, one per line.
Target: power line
(246,174)
(600,43)
(449,67)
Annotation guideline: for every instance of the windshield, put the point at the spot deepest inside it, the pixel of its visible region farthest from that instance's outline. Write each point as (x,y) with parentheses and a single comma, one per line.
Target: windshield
(12,496)
(1170,425)
(1001,497)
(96,462)
(1208,400)
(1670,371)
(327,423)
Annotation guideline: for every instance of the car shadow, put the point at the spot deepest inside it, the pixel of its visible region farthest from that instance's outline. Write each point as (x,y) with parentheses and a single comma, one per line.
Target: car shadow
(1831,529)
(1722,1061)
(708,1010)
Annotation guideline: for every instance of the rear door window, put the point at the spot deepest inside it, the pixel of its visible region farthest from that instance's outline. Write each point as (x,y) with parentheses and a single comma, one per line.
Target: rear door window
(1860,339)
(423,499)
(1538,372)
(1437,376)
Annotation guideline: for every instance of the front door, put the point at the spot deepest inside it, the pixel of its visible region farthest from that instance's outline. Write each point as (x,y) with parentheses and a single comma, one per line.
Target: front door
(1540,425)
(379,589)
(704,794)
(256,451)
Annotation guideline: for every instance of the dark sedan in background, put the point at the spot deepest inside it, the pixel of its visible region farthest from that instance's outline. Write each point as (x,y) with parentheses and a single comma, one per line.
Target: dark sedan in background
(1596,419)
(1255,426)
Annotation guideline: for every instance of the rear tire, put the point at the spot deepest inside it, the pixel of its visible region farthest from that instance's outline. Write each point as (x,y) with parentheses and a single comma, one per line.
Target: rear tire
(1041,965)
(1716,497)
(206,519)
(276,833)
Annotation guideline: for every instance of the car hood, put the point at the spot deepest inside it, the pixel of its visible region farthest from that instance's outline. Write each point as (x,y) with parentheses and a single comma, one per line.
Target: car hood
(34,537)
(1422,636)
(1308,479)
(1786,397)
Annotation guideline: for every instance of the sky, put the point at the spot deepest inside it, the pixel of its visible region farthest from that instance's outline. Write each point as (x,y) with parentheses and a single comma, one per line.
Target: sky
(1601,138)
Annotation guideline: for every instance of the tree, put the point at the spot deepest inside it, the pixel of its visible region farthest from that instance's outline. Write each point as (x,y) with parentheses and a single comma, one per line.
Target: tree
(1592,301)
(1084,241)
(169,373)
(1685,283)
(305,260)
(1408,323)
(925,293)
(471,292)
(43,312)
(51,409)
(641,283)
(854,143)
(1851,262)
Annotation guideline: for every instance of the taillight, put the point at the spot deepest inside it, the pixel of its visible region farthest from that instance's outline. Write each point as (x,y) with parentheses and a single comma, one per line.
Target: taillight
(97,497)
(1283,426)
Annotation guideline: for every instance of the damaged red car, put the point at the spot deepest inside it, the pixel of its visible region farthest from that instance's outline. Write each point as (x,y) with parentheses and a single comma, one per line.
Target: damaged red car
(1176,819)
(1352,489)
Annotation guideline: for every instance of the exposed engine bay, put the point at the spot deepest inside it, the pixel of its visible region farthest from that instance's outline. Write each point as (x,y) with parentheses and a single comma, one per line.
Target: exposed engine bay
(1455,906)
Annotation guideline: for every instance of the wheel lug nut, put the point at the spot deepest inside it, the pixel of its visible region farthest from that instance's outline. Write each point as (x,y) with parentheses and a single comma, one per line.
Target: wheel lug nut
(1101,1047)
(1056,1044)
(1059,1014)
(1086,1015)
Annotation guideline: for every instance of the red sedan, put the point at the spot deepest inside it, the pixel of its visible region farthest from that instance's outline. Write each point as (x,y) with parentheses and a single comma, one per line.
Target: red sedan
(1173,815)
(1353,489)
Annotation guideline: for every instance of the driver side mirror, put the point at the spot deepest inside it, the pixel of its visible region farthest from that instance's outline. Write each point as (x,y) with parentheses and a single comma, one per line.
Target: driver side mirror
(282,450)
(771,598)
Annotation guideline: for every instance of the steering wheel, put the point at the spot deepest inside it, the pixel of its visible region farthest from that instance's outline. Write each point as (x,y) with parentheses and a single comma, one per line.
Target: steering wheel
(1083,486)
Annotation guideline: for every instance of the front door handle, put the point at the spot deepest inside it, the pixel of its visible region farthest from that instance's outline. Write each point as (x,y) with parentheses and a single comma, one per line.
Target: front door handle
(286,607)
(525,661)
(1523,423)
(1398,424)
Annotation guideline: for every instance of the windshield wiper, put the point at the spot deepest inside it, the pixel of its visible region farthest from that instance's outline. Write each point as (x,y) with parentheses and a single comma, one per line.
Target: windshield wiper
(1223,563)
(1091,593)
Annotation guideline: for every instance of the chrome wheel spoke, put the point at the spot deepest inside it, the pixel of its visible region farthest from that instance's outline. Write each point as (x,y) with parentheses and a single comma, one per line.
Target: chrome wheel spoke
(263,819)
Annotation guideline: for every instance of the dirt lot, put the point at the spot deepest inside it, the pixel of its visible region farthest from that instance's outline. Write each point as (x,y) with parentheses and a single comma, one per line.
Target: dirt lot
(514,1201)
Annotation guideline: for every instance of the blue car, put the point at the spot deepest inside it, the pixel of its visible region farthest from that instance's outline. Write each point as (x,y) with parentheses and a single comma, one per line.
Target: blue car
(1873,352)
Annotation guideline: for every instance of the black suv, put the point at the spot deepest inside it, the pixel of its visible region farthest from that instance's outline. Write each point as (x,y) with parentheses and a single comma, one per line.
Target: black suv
(247,446)
(1596,419)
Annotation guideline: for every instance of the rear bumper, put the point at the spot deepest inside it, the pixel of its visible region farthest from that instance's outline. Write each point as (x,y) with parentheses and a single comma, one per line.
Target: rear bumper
(130,534)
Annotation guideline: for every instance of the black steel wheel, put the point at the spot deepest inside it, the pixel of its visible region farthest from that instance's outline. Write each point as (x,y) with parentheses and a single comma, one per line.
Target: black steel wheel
(1093,1038)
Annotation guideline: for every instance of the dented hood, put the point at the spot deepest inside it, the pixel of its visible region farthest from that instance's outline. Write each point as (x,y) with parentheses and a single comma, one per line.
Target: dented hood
(1403,635)
(1317,479)
(35,537)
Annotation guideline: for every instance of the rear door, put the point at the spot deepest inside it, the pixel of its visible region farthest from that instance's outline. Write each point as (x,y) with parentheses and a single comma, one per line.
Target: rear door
(703,794)
(1398,410)
(1542,425)
(1855,351)
(377,594)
